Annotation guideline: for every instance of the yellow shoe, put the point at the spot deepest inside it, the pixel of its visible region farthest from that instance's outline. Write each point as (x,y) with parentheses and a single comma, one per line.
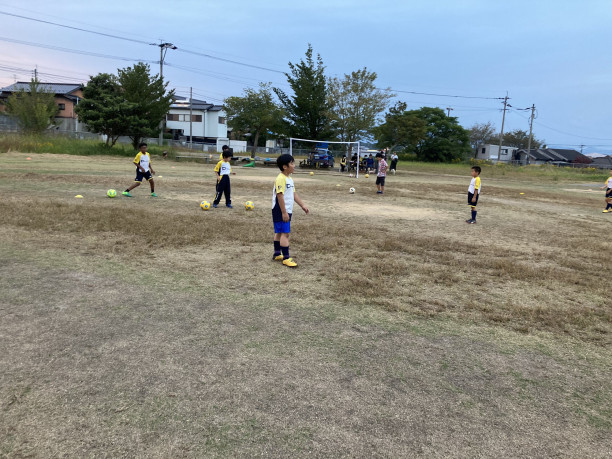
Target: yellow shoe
(605,211)
(289,262)
(278,257)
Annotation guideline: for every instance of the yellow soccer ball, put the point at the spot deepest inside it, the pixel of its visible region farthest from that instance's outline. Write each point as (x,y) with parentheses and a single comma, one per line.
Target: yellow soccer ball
(205,205)
(367,176)
(311,173)
(111,193)
(249,205)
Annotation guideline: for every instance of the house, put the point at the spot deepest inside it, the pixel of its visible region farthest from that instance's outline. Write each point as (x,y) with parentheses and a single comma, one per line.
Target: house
(602,162)
(208,121)
(491,152)
(557,156)
(67,96)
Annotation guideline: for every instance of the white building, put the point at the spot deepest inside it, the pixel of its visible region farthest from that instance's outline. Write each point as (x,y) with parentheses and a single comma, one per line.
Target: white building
(491,153)
(208,121)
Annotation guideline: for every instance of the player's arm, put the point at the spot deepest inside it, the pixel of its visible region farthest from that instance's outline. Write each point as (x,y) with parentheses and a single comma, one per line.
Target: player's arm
(300,203)
(280,198)
(151,168)
(217,169)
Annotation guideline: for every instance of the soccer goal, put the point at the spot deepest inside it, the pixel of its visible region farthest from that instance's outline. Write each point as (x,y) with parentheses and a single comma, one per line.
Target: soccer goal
(323,153)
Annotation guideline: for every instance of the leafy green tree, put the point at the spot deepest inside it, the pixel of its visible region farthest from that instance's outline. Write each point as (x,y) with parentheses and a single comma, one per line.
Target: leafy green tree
(131,104)
(149,101)
(355,103)
(307,109)
(104,109)
(255,112)
(445,140)
(520,139)
(34,109)
(401,129)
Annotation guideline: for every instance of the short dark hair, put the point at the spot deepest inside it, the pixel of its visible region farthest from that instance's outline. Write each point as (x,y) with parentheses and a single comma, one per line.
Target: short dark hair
(284,160)
(378,155)
(224,147)
(228,153)
(143,144)
(477,169)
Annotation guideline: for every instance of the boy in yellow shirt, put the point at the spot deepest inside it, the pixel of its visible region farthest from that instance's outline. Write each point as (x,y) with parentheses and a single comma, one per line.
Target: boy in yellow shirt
(144,169)
(474,193)
(608,187)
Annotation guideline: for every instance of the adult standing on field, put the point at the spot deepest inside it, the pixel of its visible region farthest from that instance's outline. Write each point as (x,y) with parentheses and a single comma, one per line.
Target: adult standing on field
(394,159)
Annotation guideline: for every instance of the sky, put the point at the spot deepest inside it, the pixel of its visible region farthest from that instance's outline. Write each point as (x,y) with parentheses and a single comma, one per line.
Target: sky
(466,55)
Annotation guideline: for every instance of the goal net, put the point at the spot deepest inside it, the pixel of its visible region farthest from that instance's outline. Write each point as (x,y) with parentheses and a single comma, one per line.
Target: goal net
(317,154)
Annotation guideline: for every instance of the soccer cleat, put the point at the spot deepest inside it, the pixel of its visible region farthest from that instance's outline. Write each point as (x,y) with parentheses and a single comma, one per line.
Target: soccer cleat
(278,257)
(605,211)
(153,195)
(127,193)
(379,192)
(229,206)
(290,263)
(470,222)
(215,205)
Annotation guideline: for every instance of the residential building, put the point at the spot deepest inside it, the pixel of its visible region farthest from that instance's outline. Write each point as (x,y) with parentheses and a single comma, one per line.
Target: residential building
(602,162)
(208,121)
(491,153)
(557,156)
(67,96)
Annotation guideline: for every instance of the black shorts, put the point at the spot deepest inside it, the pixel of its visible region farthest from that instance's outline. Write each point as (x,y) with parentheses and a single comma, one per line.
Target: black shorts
(470,196)
(609,193)
(380,181)
(140,175)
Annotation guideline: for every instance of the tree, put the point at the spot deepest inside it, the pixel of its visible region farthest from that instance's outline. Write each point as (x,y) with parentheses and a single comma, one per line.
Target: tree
(355,104)
(307,110)
(481,134)
(104,109)
(256,112)
(520,139)
(34,109)
(131,104)
(401,129)
(149,99)
(445,140)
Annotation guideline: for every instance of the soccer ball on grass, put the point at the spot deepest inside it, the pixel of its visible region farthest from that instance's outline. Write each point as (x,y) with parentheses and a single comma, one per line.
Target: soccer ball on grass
(352,190)
(205,205)
(249,205)
(111,193)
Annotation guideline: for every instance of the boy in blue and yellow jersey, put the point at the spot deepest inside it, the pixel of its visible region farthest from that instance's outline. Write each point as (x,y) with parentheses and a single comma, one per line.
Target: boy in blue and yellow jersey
(223,169)
(474,193)
(608,187)
(144,169)
(283,197)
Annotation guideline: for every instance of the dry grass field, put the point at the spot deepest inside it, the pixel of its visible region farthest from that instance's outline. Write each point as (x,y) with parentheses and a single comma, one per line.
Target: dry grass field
(147,327)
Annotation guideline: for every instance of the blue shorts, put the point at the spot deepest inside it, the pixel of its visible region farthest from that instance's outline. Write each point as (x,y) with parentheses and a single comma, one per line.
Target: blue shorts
(140,175)
(282,227)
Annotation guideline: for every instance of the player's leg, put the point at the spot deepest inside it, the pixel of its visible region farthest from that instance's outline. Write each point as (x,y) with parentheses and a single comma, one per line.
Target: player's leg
(284,242)
(152,185)
(136,183)
(227,190)
(218,192)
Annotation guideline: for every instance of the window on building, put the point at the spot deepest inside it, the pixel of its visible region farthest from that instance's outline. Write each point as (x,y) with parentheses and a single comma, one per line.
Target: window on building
(171,117)
(196,118)
(62,106)
(484,150)
(221,120)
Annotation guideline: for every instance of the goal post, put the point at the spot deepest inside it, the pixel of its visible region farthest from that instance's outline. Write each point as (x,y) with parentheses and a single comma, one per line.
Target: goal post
(309,147)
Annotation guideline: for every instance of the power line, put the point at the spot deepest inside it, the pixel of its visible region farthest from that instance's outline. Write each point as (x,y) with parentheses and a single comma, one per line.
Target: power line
(75,28)
(439,95)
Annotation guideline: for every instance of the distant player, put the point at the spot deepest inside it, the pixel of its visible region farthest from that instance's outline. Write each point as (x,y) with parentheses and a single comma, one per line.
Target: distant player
(223,169)
(608,187)
(144,169)
(382,173)
(474,193)
(283,197)
(394,159)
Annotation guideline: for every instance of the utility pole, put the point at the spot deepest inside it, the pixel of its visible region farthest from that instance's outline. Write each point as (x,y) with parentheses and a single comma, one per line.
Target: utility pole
(448,110)
(190,117)
(35,73)
(501,134)
(530,134)
(163,49)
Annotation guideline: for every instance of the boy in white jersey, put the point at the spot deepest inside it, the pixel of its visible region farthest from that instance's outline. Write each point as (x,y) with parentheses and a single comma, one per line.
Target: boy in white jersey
(223,169)
(608,187)
(283,197)
(474,193)
(144,169)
